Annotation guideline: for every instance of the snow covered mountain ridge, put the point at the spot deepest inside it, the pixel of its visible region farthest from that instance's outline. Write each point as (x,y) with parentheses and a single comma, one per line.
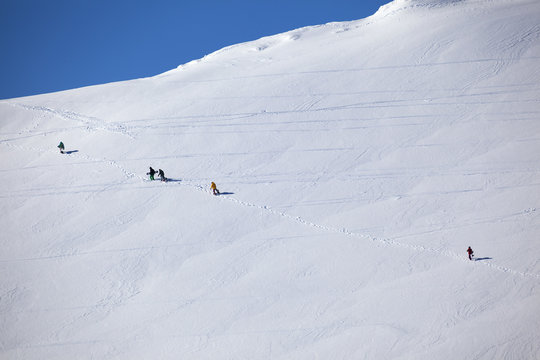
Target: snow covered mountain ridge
(356,161)
(404,4)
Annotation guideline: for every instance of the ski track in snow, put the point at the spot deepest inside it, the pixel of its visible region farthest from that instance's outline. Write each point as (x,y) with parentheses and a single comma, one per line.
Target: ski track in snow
(473,309)
(91,123)
(96,124)
(384,241)
(344,231)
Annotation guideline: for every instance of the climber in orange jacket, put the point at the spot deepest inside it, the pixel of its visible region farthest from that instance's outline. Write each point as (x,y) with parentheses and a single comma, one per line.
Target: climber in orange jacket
(215,191)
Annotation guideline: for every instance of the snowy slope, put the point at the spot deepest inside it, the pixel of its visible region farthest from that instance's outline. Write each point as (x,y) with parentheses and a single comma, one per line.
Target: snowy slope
(359,161)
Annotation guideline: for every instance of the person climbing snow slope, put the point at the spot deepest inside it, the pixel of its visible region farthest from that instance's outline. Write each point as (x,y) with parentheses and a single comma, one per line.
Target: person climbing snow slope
(151,173)
(470,252)
(215,191)
(162,175)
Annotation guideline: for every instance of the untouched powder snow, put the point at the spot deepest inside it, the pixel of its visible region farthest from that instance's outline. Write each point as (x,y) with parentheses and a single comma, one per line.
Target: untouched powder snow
(357,162)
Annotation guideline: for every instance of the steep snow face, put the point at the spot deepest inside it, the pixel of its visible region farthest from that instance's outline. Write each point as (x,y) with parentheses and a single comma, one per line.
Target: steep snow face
(357,162)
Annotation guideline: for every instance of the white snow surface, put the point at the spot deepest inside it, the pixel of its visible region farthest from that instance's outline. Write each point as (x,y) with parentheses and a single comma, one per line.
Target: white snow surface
(358,161)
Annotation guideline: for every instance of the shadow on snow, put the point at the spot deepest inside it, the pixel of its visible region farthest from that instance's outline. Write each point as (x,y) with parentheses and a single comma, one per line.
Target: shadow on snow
(482,259)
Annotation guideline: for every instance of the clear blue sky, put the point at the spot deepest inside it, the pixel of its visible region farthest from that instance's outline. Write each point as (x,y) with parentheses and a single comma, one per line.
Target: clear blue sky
(52,45)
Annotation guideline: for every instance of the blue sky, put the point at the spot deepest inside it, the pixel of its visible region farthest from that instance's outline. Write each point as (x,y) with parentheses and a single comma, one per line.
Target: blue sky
(52,45)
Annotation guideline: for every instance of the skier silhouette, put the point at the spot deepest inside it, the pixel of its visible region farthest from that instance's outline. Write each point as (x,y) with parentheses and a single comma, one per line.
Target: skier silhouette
(162,175)
(151,173)
(215,191)
(470,252)
(61,147)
